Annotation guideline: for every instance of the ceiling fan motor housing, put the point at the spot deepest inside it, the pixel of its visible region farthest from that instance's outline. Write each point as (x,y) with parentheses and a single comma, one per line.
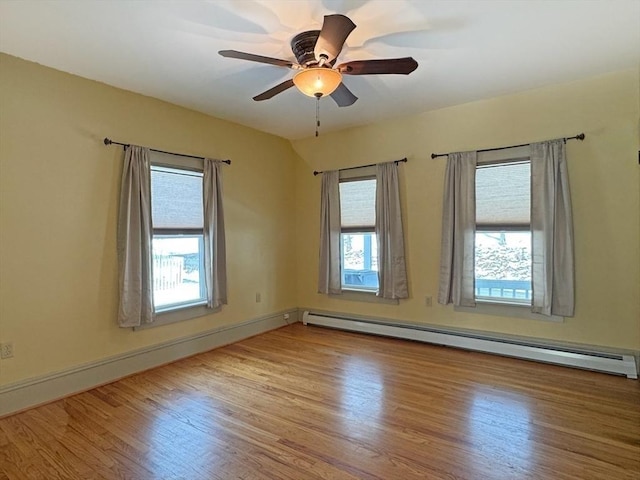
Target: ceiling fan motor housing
(316,52)
(303,46)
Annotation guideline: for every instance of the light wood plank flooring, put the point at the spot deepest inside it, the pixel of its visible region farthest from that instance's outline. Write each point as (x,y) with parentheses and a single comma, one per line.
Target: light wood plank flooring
(309,403)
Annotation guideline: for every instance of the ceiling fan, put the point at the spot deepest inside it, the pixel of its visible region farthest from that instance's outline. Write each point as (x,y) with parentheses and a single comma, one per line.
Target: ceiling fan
(316,52)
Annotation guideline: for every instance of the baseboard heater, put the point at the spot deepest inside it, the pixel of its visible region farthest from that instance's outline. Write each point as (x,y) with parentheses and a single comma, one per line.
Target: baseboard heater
(590,360)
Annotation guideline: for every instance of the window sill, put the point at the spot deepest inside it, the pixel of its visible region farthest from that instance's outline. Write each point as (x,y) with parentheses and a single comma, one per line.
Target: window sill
(367,296)
(512,310)
(178,314)
(504,303)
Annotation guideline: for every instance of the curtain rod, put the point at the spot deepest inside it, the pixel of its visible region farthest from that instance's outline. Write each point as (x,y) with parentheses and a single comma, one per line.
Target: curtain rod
(108,141)
(363,166)
(580,136)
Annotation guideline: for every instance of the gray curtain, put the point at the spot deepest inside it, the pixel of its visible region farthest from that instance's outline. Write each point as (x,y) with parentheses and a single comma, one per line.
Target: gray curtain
(552,231)
(392,270)
(329,279)
(135,235)
(457,257)
(215,264)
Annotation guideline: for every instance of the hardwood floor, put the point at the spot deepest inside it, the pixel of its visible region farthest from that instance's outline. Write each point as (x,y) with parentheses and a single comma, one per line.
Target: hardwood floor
(310,403)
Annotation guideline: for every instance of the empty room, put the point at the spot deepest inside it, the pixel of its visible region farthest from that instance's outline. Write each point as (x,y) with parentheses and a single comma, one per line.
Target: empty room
(320,239)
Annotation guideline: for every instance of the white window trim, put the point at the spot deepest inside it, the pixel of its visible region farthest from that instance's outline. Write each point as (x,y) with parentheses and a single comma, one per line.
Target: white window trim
(177,161)
(505,155)
(351,293)
(360,173)
(503,301)
(178,313)
(497,307)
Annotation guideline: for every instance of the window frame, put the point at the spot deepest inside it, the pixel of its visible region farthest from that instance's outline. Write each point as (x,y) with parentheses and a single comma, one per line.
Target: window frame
(349,287)
(348,176)
(178,312)
(184,233)
(504,300)
(506,156)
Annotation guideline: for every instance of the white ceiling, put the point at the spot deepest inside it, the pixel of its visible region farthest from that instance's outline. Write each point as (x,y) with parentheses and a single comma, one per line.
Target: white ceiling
(466,50)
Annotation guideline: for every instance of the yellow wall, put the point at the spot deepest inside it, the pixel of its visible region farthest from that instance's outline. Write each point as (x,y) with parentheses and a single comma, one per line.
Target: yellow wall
(59,188)
(604,177)
(58,205)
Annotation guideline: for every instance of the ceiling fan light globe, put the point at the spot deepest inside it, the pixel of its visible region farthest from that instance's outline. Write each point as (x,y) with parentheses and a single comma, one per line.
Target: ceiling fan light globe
(314,81)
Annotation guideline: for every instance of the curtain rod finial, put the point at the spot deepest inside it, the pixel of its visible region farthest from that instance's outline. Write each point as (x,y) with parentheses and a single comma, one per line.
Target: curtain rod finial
(315,173)
(107,141)
(580,136)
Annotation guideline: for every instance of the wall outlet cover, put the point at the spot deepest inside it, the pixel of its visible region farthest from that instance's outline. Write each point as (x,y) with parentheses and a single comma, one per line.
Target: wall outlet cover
(6,350)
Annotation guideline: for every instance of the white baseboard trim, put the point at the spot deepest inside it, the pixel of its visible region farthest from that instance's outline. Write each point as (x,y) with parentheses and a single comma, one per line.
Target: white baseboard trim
(571,355)
(47,388)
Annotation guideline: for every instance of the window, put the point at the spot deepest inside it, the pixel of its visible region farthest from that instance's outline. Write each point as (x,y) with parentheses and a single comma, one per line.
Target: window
(359,265)
(503,234)
(178,241)
(523,219)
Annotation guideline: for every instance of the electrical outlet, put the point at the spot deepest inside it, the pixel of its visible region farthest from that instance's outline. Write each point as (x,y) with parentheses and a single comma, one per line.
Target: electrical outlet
(428,301)
(6,350)
(286,316)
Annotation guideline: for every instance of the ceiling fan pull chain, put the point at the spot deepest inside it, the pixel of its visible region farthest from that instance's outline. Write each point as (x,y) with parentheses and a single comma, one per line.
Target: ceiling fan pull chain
(317,114)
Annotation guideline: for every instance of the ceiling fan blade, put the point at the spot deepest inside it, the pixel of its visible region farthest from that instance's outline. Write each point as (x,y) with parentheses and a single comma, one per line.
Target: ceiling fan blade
(256,58)
(335,30)
(343,96)
(272,92)
(402,66)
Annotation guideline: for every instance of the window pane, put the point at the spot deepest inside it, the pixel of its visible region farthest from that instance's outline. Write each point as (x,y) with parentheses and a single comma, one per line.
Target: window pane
(178,270)
(358,203)
(359,261)
(176,198)
(503,266)
(503,194)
